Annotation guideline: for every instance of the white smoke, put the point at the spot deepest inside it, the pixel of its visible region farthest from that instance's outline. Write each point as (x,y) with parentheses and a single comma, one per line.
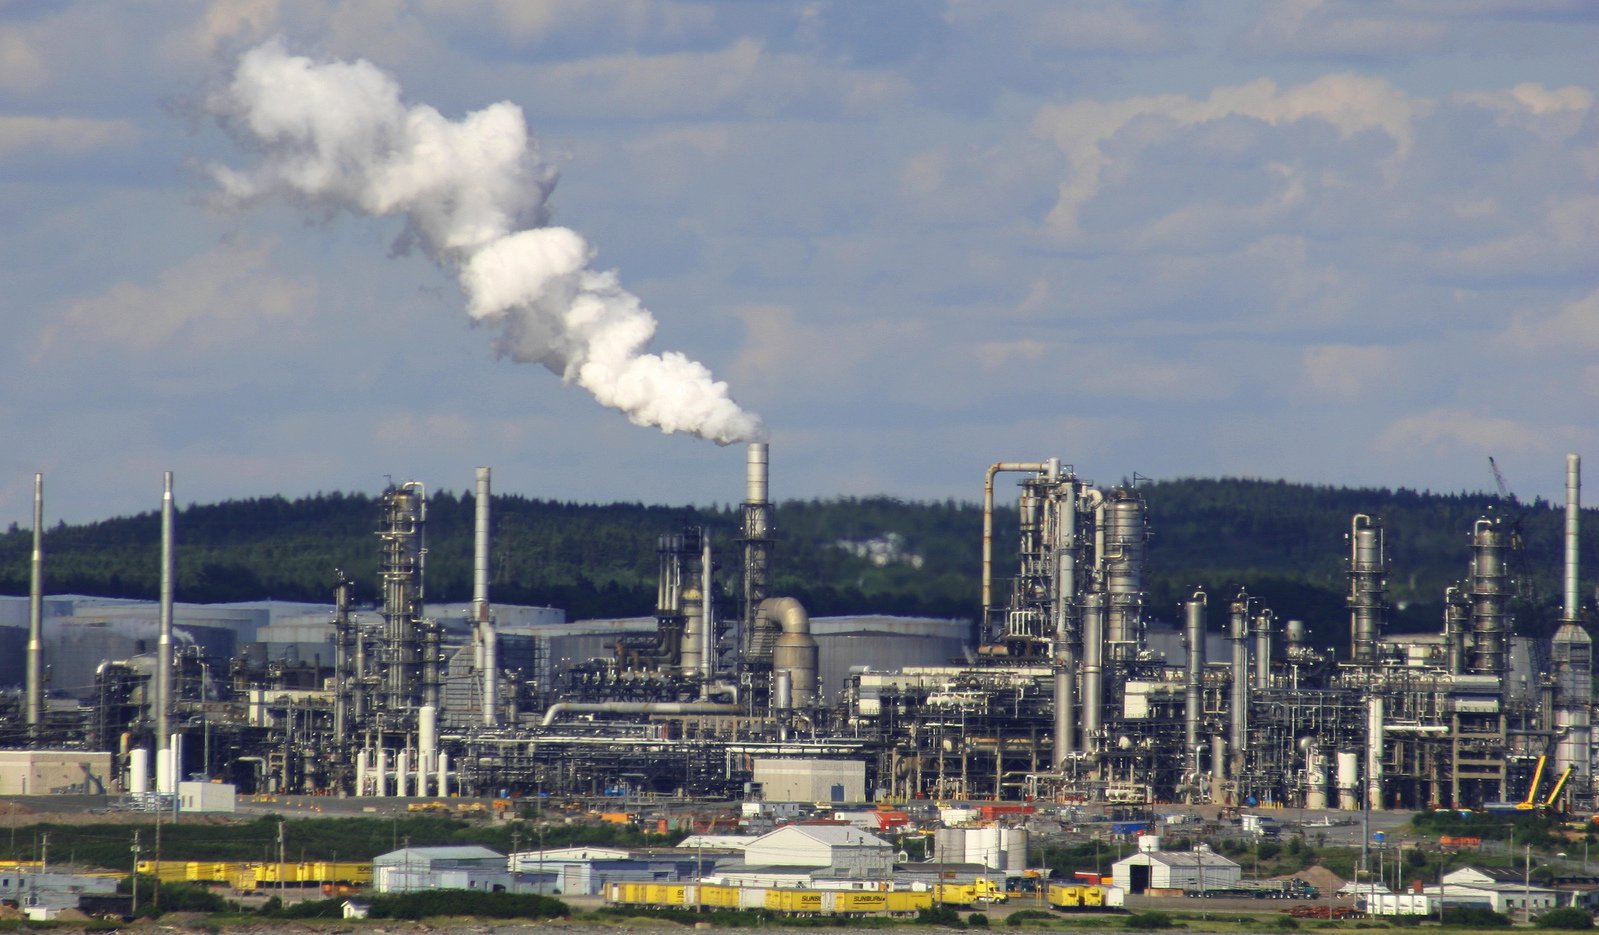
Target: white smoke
(473,195)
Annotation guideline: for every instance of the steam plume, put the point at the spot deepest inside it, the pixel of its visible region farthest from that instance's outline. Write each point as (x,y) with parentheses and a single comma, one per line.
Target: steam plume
(473,192)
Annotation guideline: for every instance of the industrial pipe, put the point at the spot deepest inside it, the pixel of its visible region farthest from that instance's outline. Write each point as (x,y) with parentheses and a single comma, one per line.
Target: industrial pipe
(36,612)
(488,637)
(554,711)
(988,528)
(707,617)
(1263,622)
(163,653)
(795,650)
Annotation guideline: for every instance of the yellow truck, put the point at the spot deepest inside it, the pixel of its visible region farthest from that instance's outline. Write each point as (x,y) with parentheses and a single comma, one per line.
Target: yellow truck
(980,892)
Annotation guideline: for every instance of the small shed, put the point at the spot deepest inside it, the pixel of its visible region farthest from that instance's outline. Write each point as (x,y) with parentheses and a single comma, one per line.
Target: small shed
(354,909)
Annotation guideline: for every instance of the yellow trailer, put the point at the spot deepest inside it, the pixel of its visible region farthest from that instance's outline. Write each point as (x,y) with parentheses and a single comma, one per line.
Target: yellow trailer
(908,902)
(1065,896)
(796,902)
(849,902)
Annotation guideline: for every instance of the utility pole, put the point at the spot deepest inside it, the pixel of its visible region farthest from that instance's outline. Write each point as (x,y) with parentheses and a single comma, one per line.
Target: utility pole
(135,878)
(280,859)
(44,853)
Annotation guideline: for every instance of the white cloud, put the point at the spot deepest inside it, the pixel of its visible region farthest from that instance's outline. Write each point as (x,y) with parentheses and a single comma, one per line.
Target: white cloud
(1350,372)
(1349,103)
(216,299)
(1450,432)
(61,135)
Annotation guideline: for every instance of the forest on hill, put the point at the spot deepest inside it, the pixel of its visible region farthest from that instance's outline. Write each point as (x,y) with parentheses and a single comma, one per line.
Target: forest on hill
(1283,542)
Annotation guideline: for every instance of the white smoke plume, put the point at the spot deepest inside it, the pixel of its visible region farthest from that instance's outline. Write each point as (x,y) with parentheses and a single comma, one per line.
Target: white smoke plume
(472,191)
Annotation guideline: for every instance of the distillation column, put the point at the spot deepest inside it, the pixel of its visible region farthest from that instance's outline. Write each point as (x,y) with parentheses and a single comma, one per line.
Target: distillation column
(1065,596)
(36,612)
(1490,589)
(1572,655)
(483,618)
(1368,588)
(404,516)
(163,651)
(1264,618)
(1194,643)
(1126,540)
(1238,736)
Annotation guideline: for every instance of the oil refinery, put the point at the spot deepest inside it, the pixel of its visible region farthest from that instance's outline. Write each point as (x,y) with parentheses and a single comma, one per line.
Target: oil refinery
(725,691)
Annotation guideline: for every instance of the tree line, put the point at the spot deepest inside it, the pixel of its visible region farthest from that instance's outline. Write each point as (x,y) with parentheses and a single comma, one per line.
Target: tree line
(1283,542)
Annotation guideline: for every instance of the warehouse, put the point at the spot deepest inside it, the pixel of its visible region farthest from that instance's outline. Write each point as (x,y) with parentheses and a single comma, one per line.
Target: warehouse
(1172,873)
(843,851)
(410,869)
(584,871)
(795,780)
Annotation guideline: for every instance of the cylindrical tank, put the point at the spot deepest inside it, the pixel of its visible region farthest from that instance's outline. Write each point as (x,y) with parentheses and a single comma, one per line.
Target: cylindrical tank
(444,774)
(1316,779)
(138,771)
(402,773)
(361,757)
(176,743)
(1349,780)
(984,846)
(1014,841)
(380,782)
(427,732)
(783,690)
(163,771)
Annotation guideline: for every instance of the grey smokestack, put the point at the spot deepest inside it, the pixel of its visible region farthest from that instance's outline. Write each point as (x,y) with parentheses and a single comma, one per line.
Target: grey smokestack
(36,610)
(1573,530)
(480,603)
(163,652)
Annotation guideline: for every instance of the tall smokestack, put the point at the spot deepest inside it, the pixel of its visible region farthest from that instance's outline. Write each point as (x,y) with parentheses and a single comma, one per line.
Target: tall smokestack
(757,534)
(163,651)
(36,611)
(480,603)
(1572,605)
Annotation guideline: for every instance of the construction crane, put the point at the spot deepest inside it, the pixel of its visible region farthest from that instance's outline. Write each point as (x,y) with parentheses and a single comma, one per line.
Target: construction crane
(1516,512)
(1531,801)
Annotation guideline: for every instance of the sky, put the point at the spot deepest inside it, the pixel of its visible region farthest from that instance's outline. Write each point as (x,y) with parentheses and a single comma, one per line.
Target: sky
(1332,242)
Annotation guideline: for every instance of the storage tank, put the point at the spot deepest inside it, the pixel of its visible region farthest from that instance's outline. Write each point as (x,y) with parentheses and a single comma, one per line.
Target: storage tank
(1015,844)
(1349,780)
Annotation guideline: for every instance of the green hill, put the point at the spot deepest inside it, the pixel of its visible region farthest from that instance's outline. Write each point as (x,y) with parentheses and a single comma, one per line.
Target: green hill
(1284,542)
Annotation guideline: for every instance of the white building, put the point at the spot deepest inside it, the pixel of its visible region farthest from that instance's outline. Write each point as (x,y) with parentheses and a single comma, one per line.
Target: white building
(1504,891)
(410,869)
(54,772)
(840,850)
(1159,872)
(797,780)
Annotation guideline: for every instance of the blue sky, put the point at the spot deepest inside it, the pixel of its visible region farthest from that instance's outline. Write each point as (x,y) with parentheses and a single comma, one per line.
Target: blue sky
(1334,242)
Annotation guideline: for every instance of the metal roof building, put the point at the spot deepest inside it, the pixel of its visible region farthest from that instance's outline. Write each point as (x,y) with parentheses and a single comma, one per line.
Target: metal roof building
(1174,871)
(441,868)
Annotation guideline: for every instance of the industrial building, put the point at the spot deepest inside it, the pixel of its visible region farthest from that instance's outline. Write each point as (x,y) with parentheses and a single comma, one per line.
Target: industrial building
(1174,873)
(1072,692)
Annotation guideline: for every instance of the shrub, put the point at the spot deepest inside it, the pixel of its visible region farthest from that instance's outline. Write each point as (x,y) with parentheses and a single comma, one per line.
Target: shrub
(1028,915)
(977,920)
(1144,921)
(1475,917)
(1568,918)
(939,915)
